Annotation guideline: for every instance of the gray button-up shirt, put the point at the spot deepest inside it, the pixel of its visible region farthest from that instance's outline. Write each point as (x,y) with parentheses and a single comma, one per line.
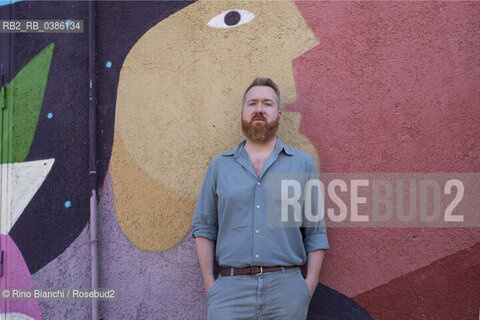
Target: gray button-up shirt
(232,209)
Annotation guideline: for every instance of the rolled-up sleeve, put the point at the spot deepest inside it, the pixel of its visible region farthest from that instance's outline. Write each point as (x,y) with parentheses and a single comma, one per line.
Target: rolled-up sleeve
(205,219)
(315,231)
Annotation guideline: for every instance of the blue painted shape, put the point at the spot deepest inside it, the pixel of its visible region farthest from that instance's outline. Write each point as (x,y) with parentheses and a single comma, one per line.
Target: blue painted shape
(7,2)
(108,64)
(68,204)
(50,115)
(327,304)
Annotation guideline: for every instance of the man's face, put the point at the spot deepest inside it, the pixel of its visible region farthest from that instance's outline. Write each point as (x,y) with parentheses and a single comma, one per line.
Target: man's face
(260,114)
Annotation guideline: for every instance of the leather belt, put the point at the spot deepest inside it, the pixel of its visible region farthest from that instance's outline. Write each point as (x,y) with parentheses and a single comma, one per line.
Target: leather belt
(253,270)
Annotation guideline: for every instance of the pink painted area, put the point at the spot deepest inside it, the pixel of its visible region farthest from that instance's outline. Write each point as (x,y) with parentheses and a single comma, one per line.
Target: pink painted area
(18,276)
(392,87)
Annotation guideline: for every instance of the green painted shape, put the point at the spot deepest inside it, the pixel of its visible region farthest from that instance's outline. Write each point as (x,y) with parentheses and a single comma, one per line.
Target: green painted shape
(28,88)
(6,126)
(2,100)
(3,144)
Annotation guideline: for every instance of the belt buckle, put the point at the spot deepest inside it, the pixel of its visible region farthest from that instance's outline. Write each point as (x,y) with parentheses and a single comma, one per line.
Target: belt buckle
(261,271)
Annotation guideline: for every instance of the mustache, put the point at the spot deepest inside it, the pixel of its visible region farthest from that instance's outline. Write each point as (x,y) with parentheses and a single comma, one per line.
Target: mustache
(258,116)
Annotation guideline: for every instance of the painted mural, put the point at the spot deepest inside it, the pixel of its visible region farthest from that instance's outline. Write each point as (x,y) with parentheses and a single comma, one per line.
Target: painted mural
(187,106)
(58,212)
(366,86)
(20,179)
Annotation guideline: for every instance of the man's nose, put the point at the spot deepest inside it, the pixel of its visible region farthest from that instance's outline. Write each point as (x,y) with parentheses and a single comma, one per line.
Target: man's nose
(259,107)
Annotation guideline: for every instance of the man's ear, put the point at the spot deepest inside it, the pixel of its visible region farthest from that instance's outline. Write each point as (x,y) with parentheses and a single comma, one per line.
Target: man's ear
(280,115)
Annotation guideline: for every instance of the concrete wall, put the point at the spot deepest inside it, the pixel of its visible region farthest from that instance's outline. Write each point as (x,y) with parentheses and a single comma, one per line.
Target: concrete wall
(367,87)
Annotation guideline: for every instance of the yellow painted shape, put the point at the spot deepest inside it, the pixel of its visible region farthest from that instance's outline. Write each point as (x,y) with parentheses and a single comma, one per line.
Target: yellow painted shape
(179,98)
(152,217)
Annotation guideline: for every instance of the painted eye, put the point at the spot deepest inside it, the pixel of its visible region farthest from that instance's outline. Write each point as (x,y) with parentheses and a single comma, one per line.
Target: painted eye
(231,18)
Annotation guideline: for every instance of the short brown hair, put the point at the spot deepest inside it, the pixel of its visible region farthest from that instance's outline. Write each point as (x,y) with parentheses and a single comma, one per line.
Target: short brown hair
(263,82)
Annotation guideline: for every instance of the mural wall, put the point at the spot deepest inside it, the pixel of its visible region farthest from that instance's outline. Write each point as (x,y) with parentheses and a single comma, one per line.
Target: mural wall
(366,87)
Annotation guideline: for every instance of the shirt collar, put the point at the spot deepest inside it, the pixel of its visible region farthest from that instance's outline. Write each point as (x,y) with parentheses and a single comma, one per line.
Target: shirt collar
(279,146)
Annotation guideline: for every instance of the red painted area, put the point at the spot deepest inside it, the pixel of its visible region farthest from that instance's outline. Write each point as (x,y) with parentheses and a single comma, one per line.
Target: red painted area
(392,87)
(447,289)
(362,259)
(17,276)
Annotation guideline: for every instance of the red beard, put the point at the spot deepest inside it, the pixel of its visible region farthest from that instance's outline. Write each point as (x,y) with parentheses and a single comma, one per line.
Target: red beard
(260,132)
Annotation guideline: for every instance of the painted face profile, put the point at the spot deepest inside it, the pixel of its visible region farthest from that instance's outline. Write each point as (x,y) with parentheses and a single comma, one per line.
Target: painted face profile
(179,104)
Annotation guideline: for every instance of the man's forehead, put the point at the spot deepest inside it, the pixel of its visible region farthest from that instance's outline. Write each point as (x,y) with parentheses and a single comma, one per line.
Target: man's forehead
(257,92)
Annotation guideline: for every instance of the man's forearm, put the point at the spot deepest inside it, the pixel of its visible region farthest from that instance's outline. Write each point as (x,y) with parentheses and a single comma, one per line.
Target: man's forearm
(314,264)
(205,253)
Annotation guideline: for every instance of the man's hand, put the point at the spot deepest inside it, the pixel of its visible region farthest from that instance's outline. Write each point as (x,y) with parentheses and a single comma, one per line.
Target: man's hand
(312,284)
(208,284)
(314,263)
(205,253)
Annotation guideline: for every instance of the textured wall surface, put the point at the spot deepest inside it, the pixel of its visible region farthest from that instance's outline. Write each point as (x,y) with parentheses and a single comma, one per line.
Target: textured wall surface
(53,103)
(393,90)
(367,87)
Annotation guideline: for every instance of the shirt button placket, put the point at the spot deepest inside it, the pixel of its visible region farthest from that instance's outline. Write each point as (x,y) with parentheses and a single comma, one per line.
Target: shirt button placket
(256,244)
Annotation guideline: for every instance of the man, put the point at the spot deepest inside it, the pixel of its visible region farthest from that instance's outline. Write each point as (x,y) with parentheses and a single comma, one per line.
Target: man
(259,263)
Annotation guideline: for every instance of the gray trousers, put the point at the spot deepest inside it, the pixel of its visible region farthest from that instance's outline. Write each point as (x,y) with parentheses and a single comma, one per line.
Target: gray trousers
(271,295)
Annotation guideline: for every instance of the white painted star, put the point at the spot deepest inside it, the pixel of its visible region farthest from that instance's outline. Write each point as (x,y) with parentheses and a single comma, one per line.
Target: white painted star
(17,316)
(20,182)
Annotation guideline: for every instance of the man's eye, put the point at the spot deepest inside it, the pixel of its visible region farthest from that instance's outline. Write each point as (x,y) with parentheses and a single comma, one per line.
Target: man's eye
(231,18)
